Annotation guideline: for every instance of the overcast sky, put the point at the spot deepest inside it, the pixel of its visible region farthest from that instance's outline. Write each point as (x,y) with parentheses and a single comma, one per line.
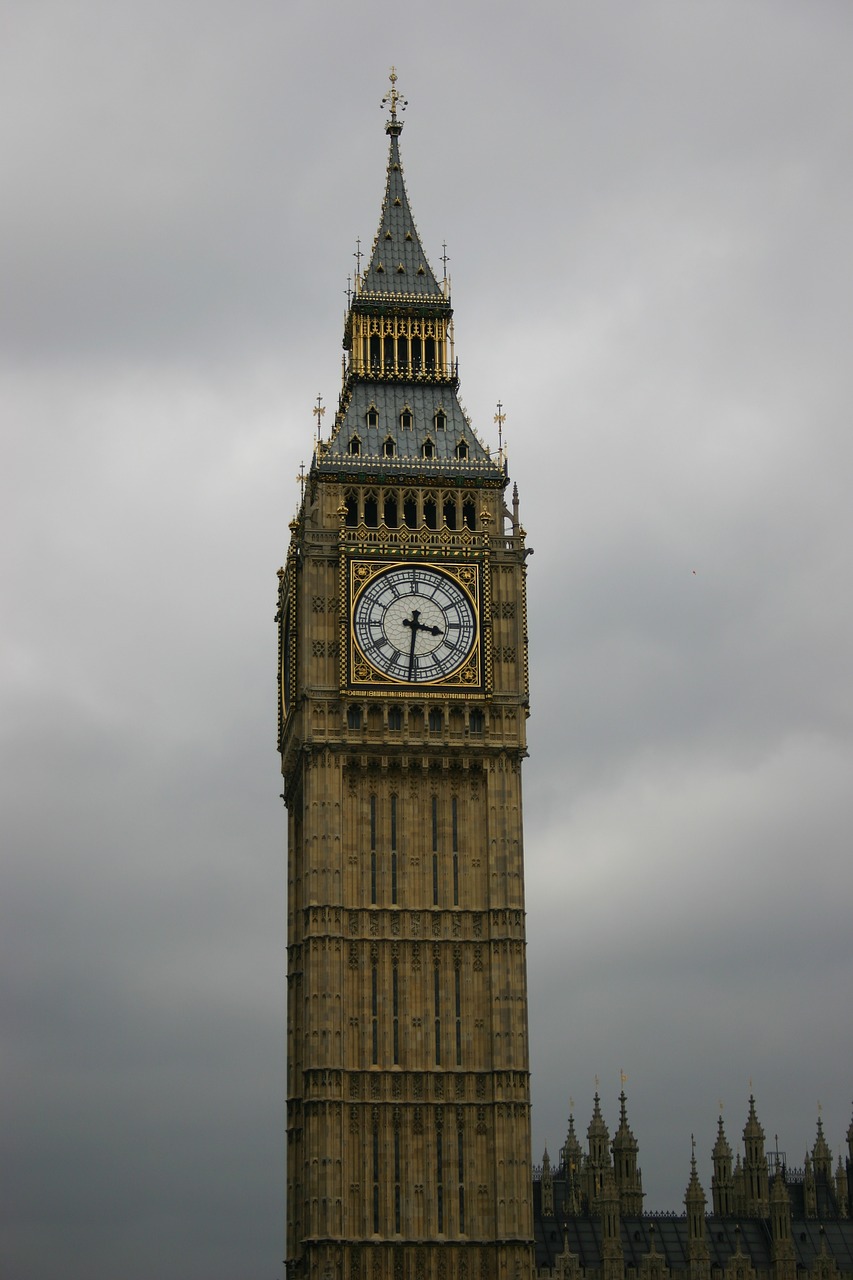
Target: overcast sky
(648,211)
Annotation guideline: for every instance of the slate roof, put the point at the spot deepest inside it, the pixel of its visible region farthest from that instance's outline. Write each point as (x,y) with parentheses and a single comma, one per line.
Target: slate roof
(423,401)
(724,1236)
(397,264)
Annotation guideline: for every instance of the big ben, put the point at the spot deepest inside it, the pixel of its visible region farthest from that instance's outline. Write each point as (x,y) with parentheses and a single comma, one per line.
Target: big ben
(403,705)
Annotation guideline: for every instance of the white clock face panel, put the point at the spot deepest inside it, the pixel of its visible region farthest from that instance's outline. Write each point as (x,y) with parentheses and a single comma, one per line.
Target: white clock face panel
(414,623)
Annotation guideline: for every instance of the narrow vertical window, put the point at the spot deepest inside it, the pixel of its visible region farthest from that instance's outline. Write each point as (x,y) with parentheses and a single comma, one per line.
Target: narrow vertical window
(455,846)
(460,1156)
(376,1179)
(394,850)
(395,1005)
(458,1003)
(439,1176)
(436,994)
(373,850)
(435,851)
(374,1017)
(397,1197)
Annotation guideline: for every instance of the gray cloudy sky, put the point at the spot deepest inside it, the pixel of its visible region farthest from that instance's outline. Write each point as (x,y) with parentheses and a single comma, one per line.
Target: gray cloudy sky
(648,209)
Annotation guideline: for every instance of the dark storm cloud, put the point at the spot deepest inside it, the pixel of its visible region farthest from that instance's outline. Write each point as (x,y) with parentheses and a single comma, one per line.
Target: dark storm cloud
(647,209)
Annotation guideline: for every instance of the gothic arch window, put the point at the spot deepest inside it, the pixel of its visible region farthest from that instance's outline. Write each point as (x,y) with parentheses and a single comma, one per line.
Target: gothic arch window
(354,717)
(428,449)
(436,720)
(390,511)
(371,509)
(449,512)
(351,504)
(469,513)
(410,511)
(388,447)
(430,513)
(476,721)
(354,446)
(395,719)
(440,420)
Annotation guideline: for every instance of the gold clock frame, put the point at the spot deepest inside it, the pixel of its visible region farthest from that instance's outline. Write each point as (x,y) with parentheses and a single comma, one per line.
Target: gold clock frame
(358,675)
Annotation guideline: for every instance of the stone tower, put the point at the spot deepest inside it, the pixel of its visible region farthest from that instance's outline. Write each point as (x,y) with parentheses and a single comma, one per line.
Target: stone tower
(403,683)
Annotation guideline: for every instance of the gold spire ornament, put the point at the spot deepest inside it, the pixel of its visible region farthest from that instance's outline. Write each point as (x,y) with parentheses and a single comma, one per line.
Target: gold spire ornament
(318,411)
(394,101)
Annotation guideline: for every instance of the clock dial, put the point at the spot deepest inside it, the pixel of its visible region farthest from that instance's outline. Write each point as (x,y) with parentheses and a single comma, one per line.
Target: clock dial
(414,623)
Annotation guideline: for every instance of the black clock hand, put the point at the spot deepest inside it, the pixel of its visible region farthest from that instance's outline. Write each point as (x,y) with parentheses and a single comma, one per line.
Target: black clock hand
(413,623)
(417,626)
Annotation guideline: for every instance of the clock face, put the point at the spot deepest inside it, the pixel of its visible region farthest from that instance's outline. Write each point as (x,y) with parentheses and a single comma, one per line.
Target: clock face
(414,624)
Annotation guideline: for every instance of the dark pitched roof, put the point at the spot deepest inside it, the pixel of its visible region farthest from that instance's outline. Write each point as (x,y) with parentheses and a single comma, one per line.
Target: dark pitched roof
(397,264)
(423,401)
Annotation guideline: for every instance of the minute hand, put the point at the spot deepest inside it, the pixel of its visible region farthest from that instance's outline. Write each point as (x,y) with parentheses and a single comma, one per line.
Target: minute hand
(416,626)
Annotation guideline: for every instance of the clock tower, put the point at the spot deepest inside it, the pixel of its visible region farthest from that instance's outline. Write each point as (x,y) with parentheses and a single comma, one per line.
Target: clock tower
(403,705)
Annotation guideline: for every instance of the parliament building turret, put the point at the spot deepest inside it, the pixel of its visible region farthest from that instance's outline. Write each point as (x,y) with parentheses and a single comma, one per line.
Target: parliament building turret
(767,1222)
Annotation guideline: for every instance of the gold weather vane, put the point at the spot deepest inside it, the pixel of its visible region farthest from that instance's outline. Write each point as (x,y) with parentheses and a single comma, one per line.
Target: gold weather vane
(392,98)
(318,412)
(623,1079)
(301,479)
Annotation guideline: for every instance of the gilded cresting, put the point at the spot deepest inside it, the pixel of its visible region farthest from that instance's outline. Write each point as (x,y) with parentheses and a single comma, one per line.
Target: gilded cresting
(403,682)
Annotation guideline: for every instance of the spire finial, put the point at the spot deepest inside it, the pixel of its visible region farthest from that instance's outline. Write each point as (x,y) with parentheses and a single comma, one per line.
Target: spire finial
(318,411)
(394,102)
(500,419)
